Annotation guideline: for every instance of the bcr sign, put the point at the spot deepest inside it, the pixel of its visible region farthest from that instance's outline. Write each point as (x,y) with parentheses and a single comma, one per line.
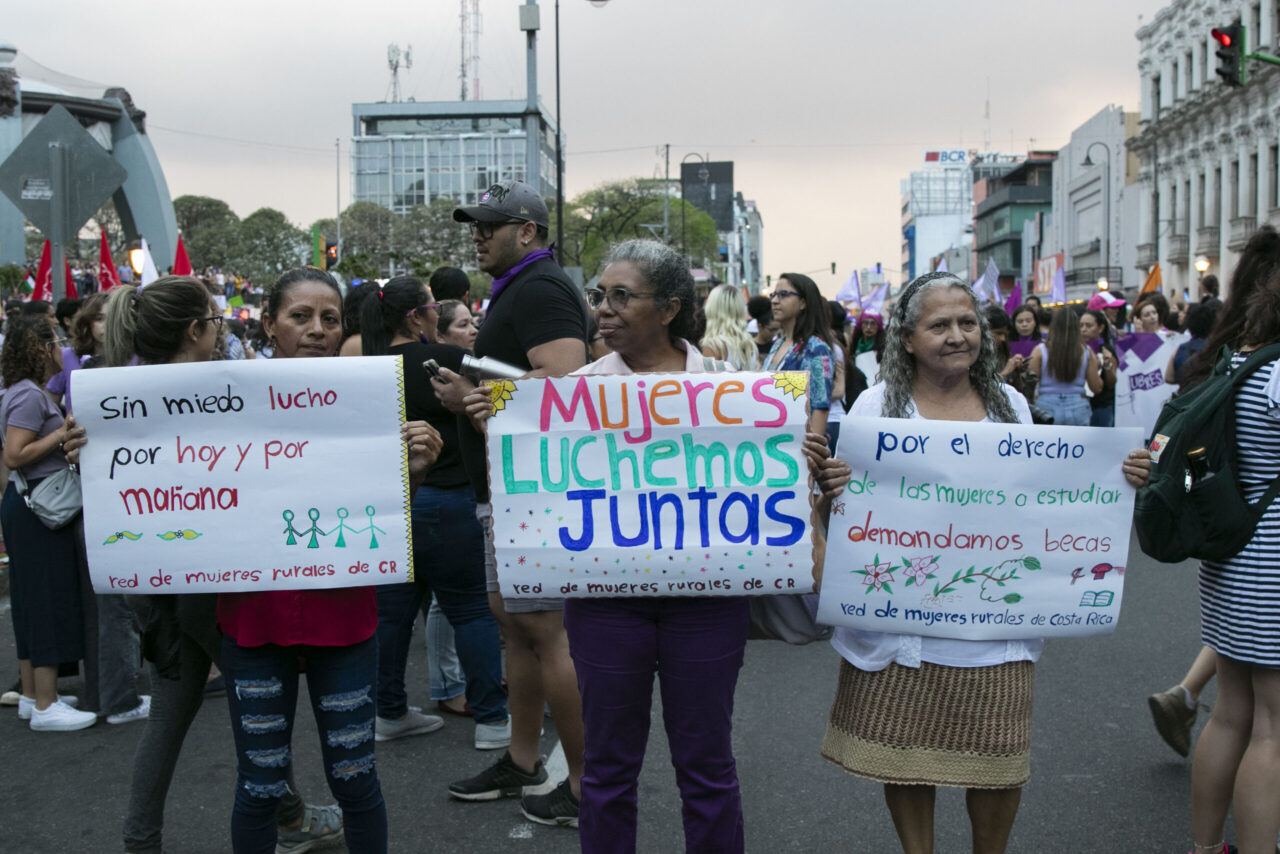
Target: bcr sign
(946,158)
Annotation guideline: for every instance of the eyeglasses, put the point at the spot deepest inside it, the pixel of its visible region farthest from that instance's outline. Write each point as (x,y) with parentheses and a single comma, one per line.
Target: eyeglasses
(618,298)
(782,294)
(216,320)
(484,230)
(426,306)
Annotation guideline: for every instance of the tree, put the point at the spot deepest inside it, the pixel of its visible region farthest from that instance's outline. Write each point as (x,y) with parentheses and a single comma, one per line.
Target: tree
(427,236)
(367,230)
(210,230)
(268,245)
(623,210)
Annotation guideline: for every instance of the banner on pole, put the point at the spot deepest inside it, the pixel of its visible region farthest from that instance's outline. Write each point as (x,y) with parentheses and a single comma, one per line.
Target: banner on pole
(979,531)
(650,485)
(244,475)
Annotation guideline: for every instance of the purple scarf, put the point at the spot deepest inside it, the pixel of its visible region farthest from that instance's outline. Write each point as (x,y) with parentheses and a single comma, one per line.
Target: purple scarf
(505,279)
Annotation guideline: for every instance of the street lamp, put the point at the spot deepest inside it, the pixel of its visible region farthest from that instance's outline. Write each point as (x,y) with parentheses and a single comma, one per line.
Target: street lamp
(1106,207)
(136,259)
(599,4)
(1103,284)
(1202,265)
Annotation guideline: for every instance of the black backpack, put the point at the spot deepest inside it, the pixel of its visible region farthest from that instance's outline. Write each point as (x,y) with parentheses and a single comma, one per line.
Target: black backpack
(1178,515)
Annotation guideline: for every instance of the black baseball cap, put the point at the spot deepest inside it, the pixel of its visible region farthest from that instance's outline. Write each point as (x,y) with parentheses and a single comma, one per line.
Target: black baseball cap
(510,200)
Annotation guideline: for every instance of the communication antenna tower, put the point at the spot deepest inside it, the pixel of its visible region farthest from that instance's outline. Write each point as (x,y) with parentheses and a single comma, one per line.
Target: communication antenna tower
(394,60)
(470,23)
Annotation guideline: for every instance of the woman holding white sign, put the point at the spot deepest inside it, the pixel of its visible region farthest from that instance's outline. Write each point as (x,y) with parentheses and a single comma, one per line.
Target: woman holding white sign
(644,308)
(917,712)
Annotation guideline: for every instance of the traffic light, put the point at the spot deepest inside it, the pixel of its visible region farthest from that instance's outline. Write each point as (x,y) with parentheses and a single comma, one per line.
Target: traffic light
(833,268)
(1230,53)
(330,255)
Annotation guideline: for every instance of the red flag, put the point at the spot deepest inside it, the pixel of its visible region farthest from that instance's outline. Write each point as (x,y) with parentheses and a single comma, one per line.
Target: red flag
(181,263)
(108,278)
(43,290)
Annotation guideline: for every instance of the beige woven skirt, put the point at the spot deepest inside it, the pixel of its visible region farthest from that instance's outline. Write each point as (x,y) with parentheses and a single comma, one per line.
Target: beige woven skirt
(941,726)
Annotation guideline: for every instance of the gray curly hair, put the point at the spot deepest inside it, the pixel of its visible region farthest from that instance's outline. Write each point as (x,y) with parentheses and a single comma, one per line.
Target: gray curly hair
(898,367)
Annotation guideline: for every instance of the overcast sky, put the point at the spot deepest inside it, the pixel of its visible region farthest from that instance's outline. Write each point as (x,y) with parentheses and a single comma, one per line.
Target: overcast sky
(823,105)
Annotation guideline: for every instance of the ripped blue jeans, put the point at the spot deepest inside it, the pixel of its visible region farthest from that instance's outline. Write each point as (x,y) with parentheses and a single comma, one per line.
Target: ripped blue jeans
(262,693)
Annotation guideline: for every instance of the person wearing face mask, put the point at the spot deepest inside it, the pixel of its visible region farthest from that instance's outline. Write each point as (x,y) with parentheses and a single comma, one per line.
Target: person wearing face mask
(536,321)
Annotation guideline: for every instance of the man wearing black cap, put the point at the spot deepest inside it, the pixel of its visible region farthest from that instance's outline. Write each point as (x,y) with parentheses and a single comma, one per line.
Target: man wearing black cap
(536,321)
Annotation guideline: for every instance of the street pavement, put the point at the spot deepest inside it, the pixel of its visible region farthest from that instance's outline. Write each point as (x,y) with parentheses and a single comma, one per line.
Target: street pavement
(1102,780)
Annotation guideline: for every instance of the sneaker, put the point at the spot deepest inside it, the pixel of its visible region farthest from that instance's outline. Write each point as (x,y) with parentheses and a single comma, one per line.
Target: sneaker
(140,713)
(320,826)
(502,779)
(60,717)
(413,723)
(557,808)
(10,698)
(493,736)
(26,704)
(1173,719)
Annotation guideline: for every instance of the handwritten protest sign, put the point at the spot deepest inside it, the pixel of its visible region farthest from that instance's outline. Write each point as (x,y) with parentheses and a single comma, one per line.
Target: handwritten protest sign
(259,475)
(979,531)
(650,485)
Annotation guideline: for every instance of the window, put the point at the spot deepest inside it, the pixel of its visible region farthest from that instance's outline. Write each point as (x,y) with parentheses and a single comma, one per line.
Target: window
(1273,174)
(1200,201)
(1155,96)
(1217,197)
(1234,190)
(1251,199)
(1186,207)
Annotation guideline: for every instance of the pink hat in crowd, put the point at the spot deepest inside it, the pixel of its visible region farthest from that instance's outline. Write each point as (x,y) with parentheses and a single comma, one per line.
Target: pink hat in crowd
(1099,301)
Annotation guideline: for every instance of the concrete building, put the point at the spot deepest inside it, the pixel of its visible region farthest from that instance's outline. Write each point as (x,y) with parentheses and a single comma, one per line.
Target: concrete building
(28,90)
(1004,204)
(1209,154)
(410,153)
(1088,224)
(746,245)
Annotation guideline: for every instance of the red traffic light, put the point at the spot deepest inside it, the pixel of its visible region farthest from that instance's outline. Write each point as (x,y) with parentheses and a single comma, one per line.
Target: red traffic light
(1221,37)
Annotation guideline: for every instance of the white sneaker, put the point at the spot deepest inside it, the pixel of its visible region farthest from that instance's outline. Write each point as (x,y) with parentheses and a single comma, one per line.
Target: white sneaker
(493,736)
(26,704)
(413,723)
(60,717)
(141,713)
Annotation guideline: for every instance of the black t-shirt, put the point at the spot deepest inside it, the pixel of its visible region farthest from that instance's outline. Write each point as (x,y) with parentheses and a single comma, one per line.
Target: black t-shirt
(540,305)
(421,404)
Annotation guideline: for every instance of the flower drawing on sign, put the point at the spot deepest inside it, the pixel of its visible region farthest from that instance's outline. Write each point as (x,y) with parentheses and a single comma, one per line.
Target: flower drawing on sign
(793,383)
(500,391)
(119,536)
(878,576)
(991,580)
(919,569)
(184,534)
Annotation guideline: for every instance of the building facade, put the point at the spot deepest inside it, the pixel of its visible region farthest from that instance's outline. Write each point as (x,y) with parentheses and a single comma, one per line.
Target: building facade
(937,209)
(1209,154)
(1005,203)
(411,153)
(1091,176)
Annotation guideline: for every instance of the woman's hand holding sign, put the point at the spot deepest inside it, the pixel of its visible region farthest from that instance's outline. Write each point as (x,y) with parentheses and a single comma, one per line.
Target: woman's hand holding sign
(424,449)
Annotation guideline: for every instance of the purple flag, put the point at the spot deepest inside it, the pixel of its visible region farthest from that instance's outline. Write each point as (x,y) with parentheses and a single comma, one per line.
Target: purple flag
(852,290)
(1015,298)
(1059,294)
(942,266)
(875,301)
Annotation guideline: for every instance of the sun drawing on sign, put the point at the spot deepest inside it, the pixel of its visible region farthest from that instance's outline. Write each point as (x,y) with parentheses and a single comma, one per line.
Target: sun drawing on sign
(793,383)
(500,391)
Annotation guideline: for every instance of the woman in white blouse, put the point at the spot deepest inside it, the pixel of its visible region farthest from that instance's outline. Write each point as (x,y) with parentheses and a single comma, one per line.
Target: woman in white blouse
(917,712)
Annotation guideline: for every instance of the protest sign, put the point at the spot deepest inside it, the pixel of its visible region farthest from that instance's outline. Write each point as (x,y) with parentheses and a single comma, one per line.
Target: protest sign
(979,531)
(1141,391)
(244,475)
(650,485)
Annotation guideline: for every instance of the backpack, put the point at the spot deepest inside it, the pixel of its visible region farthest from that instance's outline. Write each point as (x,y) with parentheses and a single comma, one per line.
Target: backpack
(1177,516)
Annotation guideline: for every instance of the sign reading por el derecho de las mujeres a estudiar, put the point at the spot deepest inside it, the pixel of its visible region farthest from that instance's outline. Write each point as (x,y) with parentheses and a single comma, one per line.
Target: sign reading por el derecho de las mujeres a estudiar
(650,485)
(244,475)
(979,531)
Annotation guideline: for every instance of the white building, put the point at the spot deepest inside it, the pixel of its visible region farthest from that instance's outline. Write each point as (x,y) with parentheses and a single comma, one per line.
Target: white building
(937,209)
(1088,224)
(1209,152)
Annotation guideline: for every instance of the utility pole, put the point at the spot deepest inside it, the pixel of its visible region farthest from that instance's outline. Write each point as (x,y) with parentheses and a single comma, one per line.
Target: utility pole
(532,118)
(57,236)
(337,191)
(666,200)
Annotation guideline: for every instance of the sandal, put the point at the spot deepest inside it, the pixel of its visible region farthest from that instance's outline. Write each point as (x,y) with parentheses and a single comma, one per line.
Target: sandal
(320,826)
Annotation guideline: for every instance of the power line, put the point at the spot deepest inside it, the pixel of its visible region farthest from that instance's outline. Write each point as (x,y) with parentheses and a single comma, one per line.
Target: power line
(236,141)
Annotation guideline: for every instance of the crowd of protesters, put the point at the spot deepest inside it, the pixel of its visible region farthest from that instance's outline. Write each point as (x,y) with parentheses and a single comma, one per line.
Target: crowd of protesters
(590,664)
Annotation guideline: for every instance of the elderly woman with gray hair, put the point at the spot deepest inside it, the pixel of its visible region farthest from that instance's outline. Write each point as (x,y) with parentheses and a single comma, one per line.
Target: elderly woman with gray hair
(644,308)
(916,712)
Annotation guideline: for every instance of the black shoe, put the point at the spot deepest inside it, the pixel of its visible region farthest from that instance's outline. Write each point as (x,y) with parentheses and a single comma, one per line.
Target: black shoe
(558,807)
(503,779)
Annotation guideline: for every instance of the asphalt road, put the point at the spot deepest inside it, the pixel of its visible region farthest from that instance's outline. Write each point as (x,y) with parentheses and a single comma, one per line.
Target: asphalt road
(1102,780)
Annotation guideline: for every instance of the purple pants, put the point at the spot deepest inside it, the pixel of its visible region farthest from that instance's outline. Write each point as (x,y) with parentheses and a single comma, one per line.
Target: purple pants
(695,646)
